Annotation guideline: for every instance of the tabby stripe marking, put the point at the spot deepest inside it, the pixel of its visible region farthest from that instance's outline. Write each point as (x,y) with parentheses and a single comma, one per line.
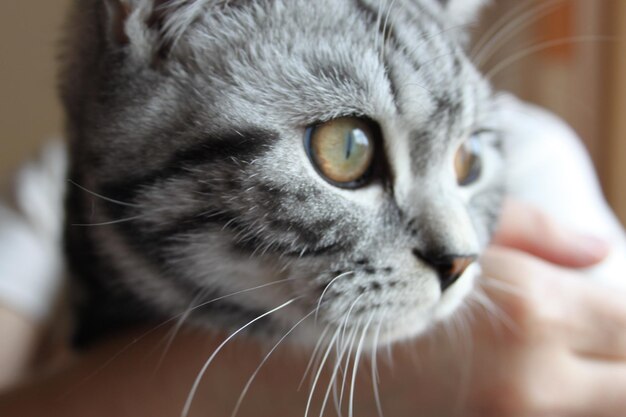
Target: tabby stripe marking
(239,147)
(389,37)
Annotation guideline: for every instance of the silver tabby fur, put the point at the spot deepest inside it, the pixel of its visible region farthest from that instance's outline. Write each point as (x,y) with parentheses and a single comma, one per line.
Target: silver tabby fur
(186,123)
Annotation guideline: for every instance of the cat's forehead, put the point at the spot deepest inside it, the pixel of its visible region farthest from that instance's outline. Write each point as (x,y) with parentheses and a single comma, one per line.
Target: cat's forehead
(306,61)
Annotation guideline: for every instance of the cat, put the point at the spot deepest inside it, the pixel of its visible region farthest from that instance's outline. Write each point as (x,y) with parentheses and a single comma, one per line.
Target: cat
(316,166)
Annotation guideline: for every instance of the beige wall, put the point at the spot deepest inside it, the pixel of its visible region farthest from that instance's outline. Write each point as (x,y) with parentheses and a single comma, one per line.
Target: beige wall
(29,112)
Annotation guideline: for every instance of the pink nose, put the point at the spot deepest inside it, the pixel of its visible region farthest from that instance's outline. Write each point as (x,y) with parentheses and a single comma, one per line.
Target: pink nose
(449,267)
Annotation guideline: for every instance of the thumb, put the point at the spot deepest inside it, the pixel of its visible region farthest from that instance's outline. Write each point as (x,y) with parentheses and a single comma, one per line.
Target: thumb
(526,228)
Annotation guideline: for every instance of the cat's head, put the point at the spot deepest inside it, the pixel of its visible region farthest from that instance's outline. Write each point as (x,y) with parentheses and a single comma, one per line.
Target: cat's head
(334,153)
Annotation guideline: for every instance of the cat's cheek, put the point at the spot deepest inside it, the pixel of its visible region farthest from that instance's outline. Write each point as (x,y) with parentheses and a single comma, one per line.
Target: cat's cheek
(454,296)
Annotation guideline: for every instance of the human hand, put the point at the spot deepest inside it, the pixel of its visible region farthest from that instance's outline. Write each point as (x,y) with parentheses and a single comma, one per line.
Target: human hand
(549,343)
(566,355)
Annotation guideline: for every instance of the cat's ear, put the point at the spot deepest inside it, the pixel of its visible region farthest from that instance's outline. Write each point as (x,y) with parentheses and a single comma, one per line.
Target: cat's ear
(117,12)
(462,12)
(138,24)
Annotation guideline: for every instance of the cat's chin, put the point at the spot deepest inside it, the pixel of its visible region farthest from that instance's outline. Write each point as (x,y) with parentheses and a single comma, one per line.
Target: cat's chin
(450,302)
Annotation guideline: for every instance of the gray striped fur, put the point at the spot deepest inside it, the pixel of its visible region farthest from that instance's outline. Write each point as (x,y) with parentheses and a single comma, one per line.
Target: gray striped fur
(186,123)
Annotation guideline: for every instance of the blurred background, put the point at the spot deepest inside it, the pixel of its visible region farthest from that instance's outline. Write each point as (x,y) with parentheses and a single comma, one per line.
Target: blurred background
(570,57)
(29,110)
(566,55)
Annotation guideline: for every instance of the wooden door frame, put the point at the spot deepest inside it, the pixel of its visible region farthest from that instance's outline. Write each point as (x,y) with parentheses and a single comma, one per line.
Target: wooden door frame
(614,172)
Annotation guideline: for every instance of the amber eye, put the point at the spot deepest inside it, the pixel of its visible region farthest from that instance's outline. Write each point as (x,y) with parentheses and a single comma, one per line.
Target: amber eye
(468,161)
(342,150)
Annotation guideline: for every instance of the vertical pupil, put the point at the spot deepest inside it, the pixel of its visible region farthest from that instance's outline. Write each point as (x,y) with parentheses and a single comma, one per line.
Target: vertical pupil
(466,156)
(349,143)
(468,163)
(355,139)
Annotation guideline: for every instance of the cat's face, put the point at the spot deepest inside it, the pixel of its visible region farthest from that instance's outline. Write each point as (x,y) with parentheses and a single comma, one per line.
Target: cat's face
(334,153)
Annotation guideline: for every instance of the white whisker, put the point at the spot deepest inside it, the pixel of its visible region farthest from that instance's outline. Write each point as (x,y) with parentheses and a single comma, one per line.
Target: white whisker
(355,366)
(108,223)
(498,26)
(340,330)
(336,399)
(494,311)
(314,355)
(196,383)
(467,371)
(319,303)
(256,371)
(385,29)
(505,63)
(173,332)
(346,367)
(515,22)
(375,376)
(504,287)
(102,197)
(346,348)
(269,284)
(377,43)
(164,323)
(319,372)
(343,333)
(333,379)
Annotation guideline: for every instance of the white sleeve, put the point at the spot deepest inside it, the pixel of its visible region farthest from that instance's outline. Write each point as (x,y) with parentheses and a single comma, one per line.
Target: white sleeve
(547,165)
(31,266)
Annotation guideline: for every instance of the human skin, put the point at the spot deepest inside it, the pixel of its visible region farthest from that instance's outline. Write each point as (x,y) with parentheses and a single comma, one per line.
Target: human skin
(16,345)
(551,343)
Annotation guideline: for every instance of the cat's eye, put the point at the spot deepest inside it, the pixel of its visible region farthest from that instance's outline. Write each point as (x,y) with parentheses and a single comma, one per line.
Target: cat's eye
(342,150)
(468,161)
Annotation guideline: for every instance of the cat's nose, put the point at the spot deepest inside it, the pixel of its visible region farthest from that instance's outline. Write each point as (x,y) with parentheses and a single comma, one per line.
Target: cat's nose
(449,267)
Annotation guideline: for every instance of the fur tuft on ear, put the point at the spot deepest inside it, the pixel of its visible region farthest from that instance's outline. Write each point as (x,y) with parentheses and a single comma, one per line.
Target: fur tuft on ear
(153,26)
(186,12)
(117,14)
(140,24)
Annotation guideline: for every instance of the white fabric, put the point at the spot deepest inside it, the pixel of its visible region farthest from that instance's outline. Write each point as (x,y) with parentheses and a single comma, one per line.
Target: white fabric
(549,167)
(30,237)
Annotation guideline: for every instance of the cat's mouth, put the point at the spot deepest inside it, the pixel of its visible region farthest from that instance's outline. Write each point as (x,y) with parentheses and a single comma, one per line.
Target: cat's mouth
(382,314)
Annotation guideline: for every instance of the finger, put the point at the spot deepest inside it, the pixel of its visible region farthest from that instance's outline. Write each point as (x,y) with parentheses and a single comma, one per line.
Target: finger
(517,285)
(528,229)
(557,303)
(522,273)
